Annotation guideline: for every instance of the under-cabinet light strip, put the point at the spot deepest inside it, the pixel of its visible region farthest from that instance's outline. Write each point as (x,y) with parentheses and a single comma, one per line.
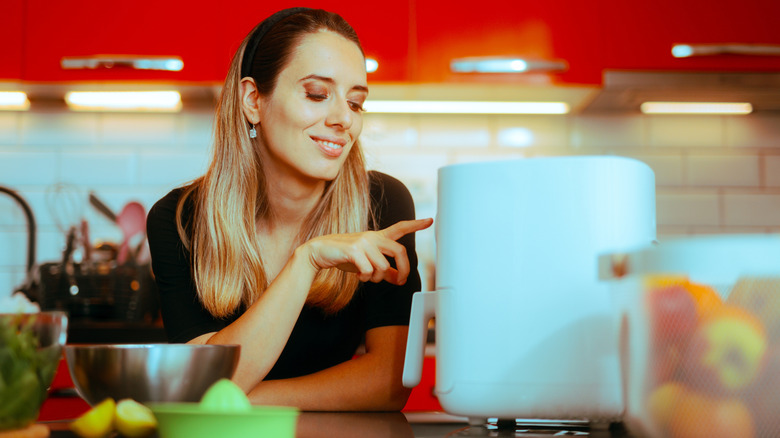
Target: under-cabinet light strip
(14,101)
(737,108)
(141,101)
(464,107)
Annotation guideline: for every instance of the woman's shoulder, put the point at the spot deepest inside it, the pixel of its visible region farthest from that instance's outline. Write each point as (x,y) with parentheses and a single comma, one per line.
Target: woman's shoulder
(164,210)
(390,199)
(384,185)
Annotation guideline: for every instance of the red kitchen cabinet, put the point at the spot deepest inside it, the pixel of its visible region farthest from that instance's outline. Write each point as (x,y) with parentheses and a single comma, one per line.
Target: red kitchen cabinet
(640,35)
(592,36)
(11,35)
(552,30)
(203,37)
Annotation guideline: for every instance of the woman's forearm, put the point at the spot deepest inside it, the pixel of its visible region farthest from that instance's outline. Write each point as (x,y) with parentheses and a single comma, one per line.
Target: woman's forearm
(263,330)
(370,382)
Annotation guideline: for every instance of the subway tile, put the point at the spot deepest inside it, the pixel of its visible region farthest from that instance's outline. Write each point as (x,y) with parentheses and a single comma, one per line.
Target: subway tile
(772,171)
(157,168)
(455,131)
(754,130)
(668,169)
(41,128)
(723,170)
(751,209)
(9,128)
(410,166)
(95,168)
(390,131)
(685,131)
(11,212)
(13,247)
(10,279)
(687,208)
(28,168)
(474,158)
(194,130)
(520,131)
(612,131)
(137,129)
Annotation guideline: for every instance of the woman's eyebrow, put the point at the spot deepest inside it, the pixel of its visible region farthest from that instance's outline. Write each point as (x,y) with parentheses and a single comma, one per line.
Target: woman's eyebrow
(331,81)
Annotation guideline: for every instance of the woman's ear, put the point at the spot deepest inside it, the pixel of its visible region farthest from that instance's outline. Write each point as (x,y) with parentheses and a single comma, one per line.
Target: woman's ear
(250,100)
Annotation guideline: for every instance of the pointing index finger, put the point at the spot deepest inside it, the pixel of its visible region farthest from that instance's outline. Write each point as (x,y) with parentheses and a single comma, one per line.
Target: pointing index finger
(402,228)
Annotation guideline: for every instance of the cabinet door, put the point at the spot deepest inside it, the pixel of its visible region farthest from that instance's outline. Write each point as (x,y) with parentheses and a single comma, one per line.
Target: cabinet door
(11,37)
(204,37)
(141,27)
(550,30)
(640,35)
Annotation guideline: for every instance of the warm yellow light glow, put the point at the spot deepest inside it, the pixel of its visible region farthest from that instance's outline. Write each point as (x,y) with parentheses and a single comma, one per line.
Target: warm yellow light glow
(464,107)
(142,101)
(14,101)
(696,108)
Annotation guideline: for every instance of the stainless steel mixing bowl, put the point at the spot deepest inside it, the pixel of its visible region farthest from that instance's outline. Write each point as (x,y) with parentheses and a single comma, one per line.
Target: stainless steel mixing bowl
(149,372)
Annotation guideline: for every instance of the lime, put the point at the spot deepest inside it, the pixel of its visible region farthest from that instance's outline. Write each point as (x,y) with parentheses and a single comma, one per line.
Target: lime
(96,422)
(225,396)
(133,419)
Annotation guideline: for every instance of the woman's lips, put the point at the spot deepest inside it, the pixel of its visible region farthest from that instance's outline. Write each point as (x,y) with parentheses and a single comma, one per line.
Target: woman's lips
(330,147)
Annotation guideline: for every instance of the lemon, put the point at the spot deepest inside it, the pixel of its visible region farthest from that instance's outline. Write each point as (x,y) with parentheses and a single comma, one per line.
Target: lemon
(225,396)
(96,422)
(134,420)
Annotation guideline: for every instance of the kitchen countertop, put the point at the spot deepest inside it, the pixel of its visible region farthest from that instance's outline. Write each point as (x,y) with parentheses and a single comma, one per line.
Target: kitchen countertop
(414,425)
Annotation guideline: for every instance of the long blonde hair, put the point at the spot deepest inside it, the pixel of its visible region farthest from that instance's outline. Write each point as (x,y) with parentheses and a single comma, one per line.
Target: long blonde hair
(228,199)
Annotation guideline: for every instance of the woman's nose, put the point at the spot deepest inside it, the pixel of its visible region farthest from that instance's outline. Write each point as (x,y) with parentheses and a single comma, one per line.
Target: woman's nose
(339,114)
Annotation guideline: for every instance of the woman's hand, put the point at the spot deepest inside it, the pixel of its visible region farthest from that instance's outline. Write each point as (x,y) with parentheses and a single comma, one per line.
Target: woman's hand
(364,253)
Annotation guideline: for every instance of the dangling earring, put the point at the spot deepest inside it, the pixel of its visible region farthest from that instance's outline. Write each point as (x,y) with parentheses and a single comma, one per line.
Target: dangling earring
(252,132)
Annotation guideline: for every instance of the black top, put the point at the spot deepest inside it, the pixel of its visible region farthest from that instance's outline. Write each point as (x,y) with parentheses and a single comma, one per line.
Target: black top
(318,340)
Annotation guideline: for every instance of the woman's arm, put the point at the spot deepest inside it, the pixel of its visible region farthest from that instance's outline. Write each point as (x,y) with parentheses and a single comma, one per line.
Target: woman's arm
(264,328)
(369,382)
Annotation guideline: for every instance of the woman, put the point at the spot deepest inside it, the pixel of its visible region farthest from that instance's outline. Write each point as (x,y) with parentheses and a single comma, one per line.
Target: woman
(287,246)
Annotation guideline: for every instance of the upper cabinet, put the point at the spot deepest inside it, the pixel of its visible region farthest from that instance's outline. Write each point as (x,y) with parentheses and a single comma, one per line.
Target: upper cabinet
(11,34)
(640,35)
(204,38)
(413,40)
(546,30)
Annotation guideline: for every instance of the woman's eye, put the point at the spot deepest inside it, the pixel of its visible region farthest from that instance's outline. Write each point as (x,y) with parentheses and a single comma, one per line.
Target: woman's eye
(316,97)
(356,107)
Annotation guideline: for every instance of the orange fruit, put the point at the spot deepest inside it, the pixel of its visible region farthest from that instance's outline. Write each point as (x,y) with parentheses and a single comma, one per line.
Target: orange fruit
(662,402)
(700,416)
(707,299)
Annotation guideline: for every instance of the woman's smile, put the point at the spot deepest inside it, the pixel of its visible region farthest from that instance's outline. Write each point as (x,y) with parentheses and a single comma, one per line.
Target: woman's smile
(330,147)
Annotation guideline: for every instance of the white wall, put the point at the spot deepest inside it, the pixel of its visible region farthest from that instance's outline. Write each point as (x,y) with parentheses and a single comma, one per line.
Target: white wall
(715,174)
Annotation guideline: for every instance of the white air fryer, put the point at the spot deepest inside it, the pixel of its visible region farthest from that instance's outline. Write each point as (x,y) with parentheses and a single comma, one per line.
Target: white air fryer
(524,327)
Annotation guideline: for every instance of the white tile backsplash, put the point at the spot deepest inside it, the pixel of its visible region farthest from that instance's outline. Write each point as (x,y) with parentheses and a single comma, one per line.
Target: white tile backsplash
(685,131)
(723,170)
(714,174)
(756,209)
(677,208)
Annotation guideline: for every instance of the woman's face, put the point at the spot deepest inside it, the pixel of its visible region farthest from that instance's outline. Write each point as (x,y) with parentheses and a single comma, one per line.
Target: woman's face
(313,116)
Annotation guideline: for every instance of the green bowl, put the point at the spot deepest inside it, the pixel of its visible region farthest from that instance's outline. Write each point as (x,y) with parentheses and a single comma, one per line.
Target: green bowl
(190,420)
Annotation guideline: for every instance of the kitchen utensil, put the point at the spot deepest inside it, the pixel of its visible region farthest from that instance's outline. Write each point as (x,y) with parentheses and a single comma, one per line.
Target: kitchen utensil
(150,372)
(524,328)
(66,205)
(132,221)
(30,351)
(101,207)
(714,363)
(189,420)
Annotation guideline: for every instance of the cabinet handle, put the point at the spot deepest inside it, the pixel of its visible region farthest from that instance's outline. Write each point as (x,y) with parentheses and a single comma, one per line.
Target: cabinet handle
(688,50)
(499,64)
(165,63)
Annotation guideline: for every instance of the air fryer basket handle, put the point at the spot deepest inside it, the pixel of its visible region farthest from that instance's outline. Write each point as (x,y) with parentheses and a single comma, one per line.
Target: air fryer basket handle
(423,309)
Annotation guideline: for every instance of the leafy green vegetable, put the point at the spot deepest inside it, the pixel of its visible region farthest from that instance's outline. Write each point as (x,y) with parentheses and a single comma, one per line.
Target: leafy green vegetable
(26,370)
